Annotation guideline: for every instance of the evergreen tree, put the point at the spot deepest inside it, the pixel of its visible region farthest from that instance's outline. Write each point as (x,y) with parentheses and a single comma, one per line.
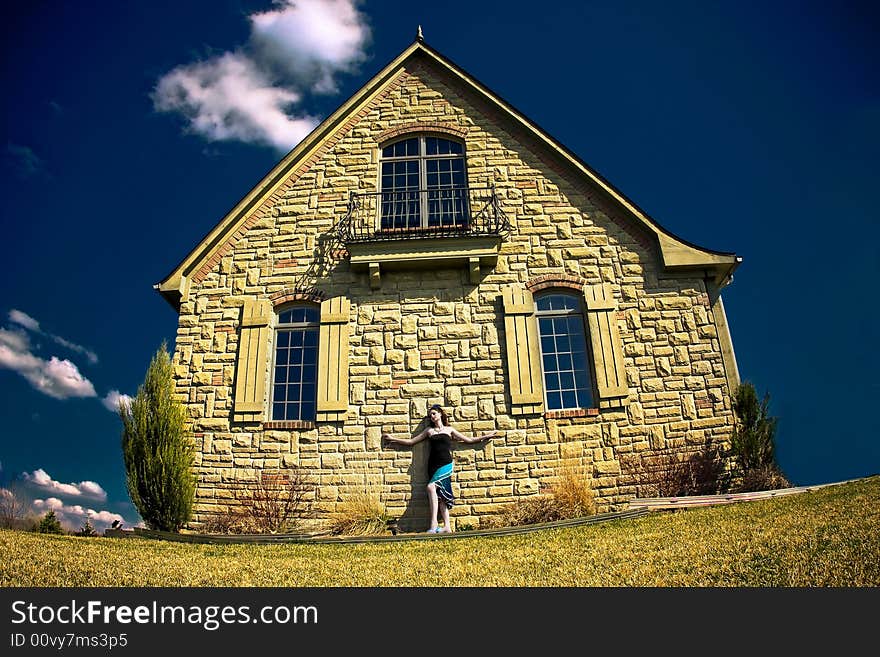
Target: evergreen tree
(49,524)
(87,529)
(157,449)
(753,441)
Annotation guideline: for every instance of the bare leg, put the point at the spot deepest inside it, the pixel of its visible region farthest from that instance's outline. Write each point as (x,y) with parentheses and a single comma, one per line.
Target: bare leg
(432,502)
(444,510)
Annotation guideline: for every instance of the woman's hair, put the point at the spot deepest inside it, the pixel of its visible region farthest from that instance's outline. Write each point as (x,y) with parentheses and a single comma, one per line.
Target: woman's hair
(444,419)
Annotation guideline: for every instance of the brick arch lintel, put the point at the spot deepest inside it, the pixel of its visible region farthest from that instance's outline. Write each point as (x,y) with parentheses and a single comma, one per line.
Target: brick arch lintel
(290,294)
(556,280)
(420,127)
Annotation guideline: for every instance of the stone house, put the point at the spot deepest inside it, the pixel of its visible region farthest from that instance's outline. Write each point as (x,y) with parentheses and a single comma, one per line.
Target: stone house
(427,243)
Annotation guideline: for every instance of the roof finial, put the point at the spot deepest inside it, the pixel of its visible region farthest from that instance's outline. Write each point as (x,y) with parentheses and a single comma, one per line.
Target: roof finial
(419,36)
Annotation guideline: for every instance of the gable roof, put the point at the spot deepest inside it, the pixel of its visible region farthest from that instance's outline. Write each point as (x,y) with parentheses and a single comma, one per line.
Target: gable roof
(676,253)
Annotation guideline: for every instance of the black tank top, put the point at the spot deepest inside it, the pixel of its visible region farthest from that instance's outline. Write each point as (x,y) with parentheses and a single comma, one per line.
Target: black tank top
(441,451)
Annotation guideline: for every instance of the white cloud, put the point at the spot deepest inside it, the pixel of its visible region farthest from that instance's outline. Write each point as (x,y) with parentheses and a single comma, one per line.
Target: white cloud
(17,341)
(23,319)
(88,353)
(111,400)
(73,516)
(254,94)
(228,98)
(40,479)
(54,377)
(312,40)
(28,322)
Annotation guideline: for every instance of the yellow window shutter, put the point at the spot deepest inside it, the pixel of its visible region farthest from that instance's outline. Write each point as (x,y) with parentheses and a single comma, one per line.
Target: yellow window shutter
(250,367)
(523,351)
(333,349)
(607,347)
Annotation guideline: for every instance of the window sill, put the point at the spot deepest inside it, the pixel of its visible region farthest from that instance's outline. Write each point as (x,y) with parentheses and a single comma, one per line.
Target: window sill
(289,424)
(571,412)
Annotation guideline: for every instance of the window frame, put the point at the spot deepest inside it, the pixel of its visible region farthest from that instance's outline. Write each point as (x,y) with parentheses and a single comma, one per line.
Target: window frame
(461,218)
(580,312)
(313,326)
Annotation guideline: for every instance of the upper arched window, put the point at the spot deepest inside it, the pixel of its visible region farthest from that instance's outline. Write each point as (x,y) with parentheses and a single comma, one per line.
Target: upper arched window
(423,184)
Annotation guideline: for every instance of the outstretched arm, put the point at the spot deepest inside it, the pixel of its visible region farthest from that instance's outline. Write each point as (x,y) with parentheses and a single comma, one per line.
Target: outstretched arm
(405,441)
(462,438)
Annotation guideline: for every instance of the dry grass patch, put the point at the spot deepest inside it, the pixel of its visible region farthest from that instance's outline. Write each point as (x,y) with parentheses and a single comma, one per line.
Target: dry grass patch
(360,515)
(570,496)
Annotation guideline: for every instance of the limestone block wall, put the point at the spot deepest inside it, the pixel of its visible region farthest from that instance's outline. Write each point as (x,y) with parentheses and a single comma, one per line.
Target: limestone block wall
(431,336)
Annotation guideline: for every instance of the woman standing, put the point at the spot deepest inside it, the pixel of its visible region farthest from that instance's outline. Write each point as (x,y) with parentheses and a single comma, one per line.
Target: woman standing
(440,436)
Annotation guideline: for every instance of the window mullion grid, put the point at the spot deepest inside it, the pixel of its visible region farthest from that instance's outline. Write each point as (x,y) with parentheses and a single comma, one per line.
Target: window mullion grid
(561,318)
(292,409)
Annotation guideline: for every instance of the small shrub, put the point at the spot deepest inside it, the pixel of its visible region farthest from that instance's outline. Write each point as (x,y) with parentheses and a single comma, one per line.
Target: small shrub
(233,520)
(359,515)
(49,524)
(569,497)
(275,502)
(671,473)
(767,477)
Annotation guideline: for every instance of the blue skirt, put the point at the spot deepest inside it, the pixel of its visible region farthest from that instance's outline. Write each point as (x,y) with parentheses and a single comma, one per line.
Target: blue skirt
(443,478)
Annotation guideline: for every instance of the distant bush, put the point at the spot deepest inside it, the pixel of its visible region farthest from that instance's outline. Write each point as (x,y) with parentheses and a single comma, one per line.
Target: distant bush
(158,450)
(14,512)
(87,529)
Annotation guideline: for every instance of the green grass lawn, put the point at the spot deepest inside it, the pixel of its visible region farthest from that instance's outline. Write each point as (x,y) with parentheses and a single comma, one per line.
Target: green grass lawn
(828,537)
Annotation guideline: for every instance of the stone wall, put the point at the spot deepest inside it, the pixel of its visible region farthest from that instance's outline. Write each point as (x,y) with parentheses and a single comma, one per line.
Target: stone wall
(433,337)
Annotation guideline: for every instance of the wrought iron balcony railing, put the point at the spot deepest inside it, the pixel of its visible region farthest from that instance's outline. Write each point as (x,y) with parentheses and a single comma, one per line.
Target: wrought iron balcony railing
(450,212)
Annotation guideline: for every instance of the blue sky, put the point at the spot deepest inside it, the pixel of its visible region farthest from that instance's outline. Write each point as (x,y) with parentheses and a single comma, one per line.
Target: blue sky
(738,126)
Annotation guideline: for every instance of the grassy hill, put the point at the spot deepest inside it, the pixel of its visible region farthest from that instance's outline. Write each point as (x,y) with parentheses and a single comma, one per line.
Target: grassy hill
(824,538)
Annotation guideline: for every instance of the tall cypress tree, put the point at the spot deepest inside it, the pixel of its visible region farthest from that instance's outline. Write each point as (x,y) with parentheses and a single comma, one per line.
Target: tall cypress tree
(157,449)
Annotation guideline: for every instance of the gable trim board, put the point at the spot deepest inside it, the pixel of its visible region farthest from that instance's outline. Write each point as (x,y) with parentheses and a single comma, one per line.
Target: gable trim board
(675,253)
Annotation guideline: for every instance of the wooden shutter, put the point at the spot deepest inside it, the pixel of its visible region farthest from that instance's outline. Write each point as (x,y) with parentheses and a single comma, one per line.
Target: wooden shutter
(607,347)
(333,349)
(523,351)
(250,367)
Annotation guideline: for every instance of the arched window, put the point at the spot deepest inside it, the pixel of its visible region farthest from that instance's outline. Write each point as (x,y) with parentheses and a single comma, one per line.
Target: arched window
(564,352)
(296,357)
(423,184)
